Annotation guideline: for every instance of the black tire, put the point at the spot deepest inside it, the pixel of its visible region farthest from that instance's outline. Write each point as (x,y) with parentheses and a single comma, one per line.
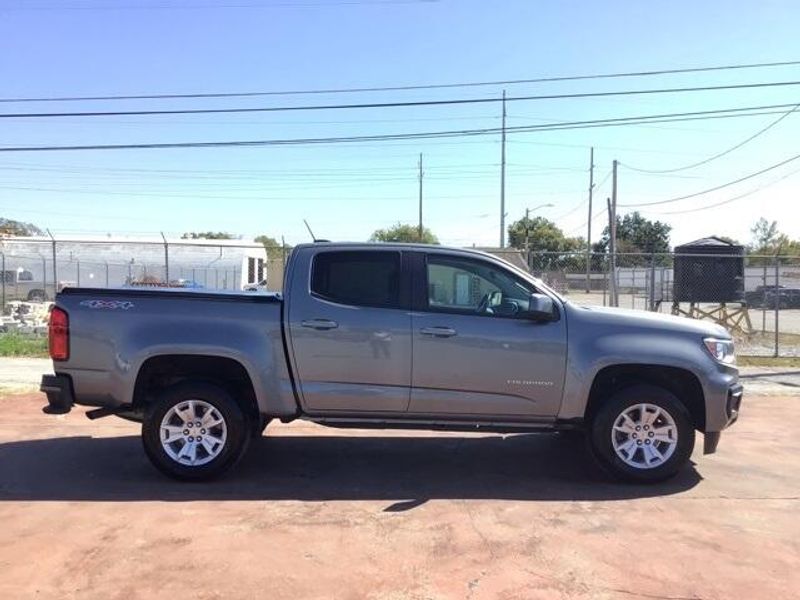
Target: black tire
(261,426)
(601,428)
(571,436)
(236,422)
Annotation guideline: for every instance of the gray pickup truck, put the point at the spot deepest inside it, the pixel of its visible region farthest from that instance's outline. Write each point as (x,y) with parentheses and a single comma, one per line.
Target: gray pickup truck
(391,335)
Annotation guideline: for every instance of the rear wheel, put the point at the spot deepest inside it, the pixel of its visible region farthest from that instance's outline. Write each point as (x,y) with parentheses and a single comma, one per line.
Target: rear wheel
(642,434)
(261,425)
(194,431)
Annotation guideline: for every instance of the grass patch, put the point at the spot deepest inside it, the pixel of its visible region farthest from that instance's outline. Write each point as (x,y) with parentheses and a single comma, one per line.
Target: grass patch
(768,361)
(14,344)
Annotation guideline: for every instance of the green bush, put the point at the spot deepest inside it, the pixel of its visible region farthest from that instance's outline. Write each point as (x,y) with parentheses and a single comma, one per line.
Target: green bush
(15,344)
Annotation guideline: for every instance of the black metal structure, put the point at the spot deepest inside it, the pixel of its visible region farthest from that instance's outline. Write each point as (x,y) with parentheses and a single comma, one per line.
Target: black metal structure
(709,270)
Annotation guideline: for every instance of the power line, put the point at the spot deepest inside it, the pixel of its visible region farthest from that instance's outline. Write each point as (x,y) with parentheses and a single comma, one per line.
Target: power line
(730,200)
(720,154)
(414,103)
(582,202)
(272,174)
(718,187)
(603,181)
(570,211)
(668,117)
(400,88)
(580,227)
(252,5)
(258,196)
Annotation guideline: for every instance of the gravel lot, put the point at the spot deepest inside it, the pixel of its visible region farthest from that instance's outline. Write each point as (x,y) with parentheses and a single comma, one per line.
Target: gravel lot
(321,513)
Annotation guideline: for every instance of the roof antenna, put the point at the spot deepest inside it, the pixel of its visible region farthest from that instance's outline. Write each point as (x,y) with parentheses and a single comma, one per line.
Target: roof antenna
(313,237)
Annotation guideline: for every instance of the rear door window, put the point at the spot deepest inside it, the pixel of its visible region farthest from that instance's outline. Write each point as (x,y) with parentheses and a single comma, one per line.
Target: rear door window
(358,278)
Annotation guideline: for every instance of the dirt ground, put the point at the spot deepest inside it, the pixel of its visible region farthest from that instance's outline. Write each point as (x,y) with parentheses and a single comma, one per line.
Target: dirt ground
(321,513)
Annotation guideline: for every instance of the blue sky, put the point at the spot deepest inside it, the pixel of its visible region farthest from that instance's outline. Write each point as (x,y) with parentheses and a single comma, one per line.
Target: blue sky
(88,47)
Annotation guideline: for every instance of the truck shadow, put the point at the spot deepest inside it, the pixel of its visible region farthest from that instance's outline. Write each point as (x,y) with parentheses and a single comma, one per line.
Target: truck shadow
(404,470)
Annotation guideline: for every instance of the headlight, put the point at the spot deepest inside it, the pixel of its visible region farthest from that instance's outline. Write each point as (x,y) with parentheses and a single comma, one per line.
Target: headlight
(721,350)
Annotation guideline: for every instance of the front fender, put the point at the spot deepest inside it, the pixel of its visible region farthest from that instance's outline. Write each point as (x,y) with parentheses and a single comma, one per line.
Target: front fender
(593,354)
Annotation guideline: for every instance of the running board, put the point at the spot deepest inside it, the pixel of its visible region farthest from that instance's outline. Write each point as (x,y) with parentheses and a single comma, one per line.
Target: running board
(541,426)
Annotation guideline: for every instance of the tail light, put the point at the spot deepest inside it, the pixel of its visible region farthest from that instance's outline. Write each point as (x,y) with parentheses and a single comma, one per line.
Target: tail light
(59,334)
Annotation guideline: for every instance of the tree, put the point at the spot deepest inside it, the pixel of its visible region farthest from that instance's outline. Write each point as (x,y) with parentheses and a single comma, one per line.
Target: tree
(272,245)
(637,235)
(549,248)
(541,235)
(404,233)
(768,241)
(209,235)
(11,228)
(267,241)
(765,237)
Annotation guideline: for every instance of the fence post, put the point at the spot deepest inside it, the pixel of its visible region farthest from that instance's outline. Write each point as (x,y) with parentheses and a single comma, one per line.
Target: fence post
(777,305)
(652,298)
(106,273)
(78,267)
(4,281)
(166,258)
(55,269)
(44,279)
(764,300)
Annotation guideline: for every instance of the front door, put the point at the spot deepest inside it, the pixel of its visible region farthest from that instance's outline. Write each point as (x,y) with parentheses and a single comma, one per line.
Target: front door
(350,335)
(475,352)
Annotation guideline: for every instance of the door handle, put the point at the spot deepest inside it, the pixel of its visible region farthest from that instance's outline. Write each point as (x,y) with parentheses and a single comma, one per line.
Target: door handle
(319,324)
(443,332)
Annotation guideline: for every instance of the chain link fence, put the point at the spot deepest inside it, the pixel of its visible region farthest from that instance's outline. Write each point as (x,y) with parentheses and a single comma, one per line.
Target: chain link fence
(33,270)
(757,298)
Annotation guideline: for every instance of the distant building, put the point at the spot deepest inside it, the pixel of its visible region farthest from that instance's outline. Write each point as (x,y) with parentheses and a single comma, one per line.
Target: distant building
(116,261)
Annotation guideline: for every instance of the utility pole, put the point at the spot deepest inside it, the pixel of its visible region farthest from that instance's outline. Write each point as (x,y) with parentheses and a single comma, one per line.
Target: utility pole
(611,262)
(419,233)
(589,223)
(503,176)
(166,259)
(613,231)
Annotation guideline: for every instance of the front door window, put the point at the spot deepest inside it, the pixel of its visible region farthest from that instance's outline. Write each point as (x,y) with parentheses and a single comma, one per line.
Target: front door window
(468,286)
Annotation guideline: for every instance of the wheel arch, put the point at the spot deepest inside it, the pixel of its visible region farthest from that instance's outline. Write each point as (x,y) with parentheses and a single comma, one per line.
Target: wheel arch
(159,372)
(684,384)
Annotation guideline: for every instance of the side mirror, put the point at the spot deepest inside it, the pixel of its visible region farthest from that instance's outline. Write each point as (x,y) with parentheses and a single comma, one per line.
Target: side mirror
(540,308)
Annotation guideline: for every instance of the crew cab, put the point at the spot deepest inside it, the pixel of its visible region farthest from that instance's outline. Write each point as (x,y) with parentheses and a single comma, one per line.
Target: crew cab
(391,335)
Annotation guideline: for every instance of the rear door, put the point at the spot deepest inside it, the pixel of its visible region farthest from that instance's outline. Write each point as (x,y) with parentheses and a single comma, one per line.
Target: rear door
(475,353)
(350,329)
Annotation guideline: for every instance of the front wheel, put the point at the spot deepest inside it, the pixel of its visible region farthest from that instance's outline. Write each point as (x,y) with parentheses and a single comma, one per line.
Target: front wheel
(642,434)
(194,431)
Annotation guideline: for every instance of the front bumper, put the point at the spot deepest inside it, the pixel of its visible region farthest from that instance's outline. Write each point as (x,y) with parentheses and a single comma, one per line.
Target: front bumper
(732,405)
(60,397)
